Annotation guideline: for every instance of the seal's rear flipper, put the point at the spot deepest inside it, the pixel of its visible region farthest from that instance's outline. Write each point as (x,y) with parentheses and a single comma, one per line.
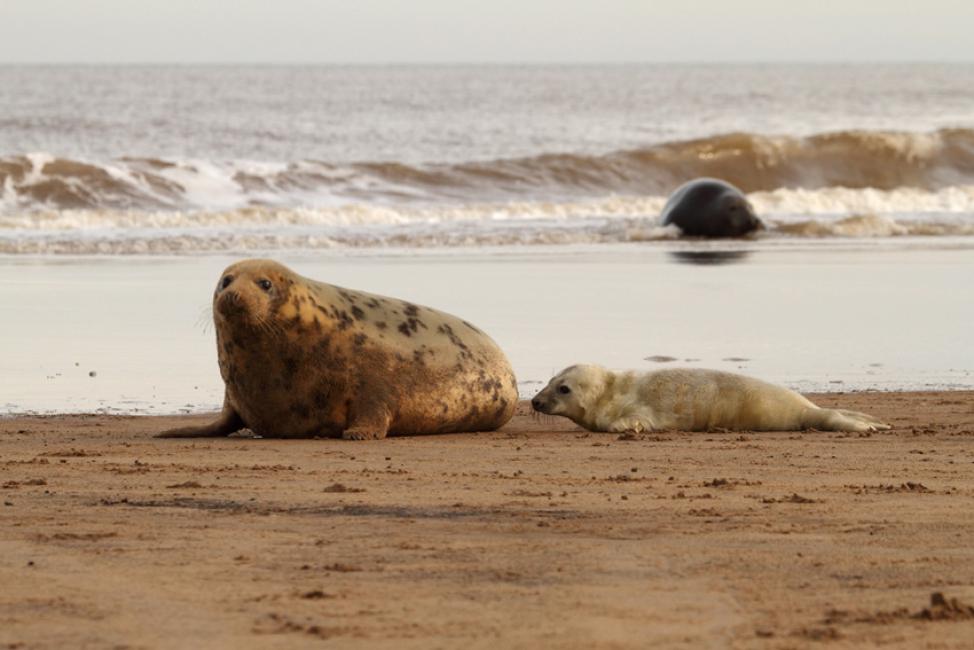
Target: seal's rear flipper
(843,420)
(228,422)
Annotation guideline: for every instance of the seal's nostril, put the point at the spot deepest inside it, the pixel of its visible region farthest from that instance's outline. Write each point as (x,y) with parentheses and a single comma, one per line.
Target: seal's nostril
(536,403)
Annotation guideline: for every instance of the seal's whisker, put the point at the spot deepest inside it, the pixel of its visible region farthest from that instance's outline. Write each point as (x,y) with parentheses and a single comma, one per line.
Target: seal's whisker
(269,325)
(205,319)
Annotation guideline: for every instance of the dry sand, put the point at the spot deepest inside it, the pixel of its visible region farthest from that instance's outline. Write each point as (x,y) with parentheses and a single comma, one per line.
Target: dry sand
(539,535)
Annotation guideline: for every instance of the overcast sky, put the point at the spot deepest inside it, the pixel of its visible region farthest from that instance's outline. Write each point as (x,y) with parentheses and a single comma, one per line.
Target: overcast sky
(452,31)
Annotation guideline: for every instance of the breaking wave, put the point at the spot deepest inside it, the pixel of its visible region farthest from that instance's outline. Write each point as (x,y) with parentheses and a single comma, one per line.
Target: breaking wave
(105,233)
(884,160)
(853,184)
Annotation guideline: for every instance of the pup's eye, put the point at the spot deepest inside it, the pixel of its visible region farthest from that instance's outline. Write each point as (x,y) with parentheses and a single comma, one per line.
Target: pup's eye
(227,279)
(265,284)
(564,390)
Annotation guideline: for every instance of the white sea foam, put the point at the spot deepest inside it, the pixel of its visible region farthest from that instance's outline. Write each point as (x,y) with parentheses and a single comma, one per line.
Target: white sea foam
(951,205)
(154,206)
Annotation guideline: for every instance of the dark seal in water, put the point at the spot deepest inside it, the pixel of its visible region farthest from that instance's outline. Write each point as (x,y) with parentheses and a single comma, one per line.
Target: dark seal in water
(708,207)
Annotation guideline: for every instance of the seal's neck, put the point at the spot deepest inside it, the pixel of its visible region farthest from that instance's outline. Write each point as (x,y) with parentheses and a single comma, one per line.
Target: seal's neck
(601,402)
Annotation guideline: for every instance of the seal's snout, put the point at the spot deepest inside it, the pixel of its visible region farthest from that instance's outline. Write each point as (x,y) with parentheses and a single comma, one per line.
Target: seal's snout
(539,405)
(229,303)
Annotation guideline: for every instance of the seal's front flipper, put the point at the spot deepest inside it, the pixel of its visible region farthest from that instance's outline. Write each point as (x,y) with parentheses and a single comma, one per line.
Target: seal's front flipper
(368,426)
(228,422)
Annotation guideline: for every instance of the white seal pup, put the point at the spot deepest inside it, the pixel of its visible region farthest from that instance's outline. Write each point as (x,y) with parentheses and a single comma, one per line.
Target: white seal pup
(686,399)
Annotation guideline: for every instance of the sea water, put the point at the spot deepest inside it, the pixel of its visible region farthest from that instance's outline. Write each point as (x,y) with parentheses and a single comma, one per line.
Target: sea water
(524,198)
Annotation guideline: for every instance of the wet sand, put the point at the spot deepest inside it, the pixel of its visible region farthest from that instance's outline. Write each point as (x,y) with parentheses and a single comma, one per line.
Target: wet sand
(538,535)
(845,317)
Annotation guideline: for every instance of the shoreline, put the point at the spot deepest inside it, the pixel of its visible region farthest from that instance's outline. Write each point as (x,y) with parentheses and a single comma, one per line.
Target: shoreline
(212,411)
(539,533)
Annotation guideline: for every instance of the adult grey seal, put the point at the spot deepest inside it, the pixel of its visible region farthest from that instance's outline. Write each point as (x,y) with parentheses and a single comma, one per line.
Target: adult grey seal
(708,207)
(301,358)
(686,399)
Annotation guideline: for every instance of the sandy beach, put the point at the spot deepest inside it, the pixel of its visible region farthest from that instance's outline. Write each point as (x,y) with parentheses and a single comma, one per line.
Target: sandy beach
(539,533)
(528,200)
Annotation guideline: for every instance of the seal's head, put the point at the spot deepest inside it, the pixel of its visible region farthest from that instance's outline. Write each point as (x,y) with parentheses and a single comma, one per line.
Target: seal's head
(740,215)
(573,392)
(248,293)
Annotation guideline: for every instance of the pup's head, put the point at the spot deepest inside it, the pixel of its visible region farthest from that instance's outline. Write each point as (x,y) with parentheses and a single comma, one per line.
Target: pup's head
(573,392)
(250,292)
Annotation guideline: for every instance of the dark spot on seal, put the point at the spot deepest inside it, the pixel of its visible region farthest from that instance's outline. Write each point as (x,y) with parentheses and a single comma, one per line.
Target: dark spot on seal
(471,327)
(410,309)
(372,303)
(358,313)
(404,329)
(489,385)
(321,347)
(344,320)
(360,339)
(290,370)
(346,296)
(412,325)
(381,325)
(455,340)
(301,410)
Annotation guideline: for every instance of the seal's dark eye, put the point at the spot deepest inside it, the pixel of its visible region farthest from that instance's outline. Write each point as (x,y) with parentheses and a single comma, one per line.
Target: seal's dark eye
(227,279)
(564,390)
(265,284)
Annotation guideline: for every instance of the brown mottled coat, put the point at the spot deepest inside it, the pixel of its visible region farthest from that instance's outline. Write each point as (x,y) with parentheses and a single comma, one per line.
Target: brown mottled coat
(303,358)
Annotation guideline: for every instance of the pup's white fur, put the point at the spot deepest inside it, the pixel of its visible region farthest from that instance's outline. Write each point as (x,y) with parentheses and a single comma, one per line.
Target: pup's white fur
(686,399)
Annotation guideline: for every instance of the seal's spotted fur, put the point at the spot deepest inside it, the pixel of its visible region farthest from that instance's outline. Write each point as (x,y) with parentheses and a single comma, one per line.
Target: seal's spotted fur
(302,358)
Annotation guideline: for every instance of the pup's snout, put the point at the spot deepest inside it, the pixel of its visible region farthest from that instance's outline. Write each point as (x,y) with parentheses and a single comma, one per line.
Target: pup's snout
(536,404)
